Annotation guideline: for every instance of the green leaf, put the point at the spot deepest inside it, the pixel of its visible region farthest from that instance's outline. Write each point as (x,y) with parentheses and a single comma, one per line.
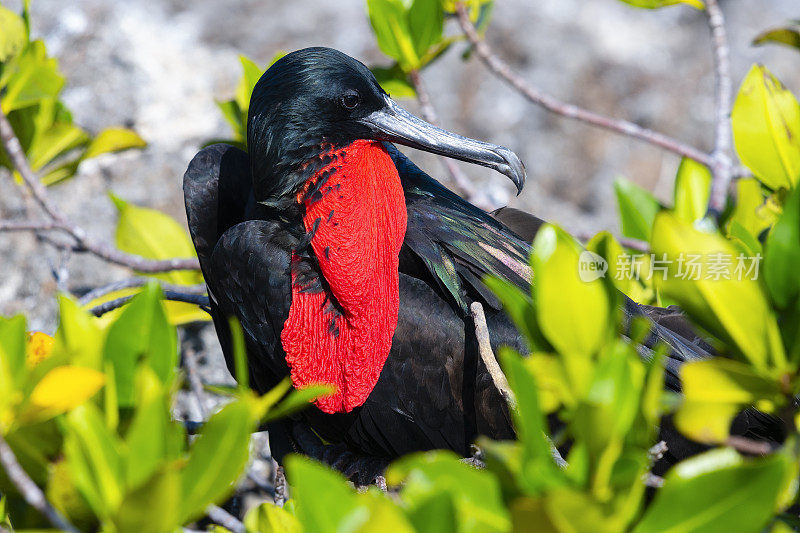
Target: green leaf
(54,142)
(475,493)
(92,453)
(719,491)
(572,313)
(715,391)
(13,36)
(425,22)
(78,338)
(298,400)
(655,4)
(715,292)
(390,23)
(269,518)
(434,514)
(637,209)
(766,128)
(61,390)
(324,501)
(154,235)
(152,439)
(519,307)
(31,77)
(692,188)
(251,73)
(113,140)
(538,468)
(154,506)
(783,254)
(752,211)
(235,117)
(241,368)
(12,353)
(393,80)
(788,36)
(216,459)
(141,333)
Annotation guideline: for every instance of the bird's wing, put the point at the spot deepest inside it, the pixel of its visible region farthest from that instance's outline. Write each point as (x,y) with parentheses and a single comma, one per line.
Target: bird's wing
(216,190)
(242,262)
(457,243)
(249,278)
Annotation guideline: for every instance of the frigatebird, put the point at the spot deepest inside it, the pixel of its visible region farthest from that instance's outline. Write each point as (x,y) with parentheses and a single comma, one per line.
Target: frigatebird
(348,265)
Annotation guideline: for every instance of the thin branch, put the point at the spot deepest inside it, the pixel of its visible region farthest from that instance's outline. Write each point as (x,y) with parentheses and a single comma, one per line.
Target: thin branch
(225,519)
(749,446)
(552,104)
(31,225)
(130,283)
(30,490)
(197,299)
(487,355)
(460,181)
(657,451)
(496,373)
(653,481)
(280,486)
(15,153)
(721,164)
(195,382)
(17,156)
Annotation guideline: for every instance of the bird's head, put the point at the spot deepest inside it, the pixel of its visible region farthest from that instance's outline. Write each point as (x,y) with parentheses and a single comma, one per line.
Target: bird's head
(319,97)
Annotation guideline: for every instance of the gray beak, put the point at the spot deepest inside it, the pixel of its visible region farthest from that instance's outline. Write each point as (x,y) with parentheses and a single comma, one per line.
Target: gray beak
(395,124)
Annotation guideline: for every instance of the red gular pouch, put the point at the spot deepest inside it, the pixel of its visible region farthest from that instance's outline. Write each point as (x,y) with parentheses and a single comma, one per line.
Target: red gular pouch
(360,213)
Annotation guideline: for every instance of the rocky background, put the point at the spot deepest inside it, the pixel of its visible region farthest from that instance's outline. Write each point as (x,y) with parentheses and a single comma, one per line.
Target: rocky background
(158,66)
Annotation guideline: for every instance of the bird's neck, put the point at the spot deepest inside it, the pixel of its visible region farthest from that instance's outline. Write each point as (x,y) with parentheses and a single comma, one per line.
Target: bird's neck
(341,335)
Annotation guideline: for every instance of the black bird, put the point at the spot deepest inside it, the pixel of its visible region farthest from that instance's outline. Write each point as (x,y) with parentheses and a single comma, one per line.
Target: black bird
(347,264)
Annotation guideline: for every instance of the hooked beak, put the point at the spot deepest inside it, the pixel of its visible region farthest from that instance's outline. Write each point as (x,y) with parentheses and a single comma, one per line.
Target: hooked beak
(395,124)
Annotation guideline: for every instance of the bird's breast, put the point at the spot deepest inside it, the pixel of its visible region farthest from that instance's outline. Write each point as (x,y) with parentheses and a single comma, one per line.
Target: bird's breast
(342,334)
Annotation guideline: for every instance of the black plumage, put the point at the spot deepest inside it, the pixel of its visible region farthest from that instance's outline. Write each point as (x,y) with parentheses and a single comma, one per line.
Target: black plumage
(246,222)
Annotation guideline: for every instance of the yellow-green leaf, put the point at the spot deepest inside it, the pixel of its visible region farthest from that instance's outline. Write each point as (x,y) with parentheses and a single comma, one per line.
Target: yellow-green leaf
(655,4)
(572,313)
(766,128)
(715,391)
(113,140)
(269,518)
(692,188)
(706,275)
(12,38)
(64,388)
(154,235)
(753,211)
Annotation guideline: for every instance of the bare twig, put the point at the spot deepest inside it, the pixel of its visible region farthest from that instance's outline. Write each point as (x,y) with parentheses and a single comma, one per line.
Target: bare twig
(280,486)
(31,225)
(57,220)
(750,446)
(130,283)
(552,104)
(487,355)
(225,519)
(461,183)
(654,481)
(721,164)
(30,490)
(195,382)
(197,299)
(657,451)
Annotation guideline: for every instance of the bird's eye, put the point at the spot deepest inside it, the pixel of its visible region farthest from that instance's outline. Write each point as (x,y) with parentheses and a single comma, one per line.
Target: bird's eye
(350,99)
